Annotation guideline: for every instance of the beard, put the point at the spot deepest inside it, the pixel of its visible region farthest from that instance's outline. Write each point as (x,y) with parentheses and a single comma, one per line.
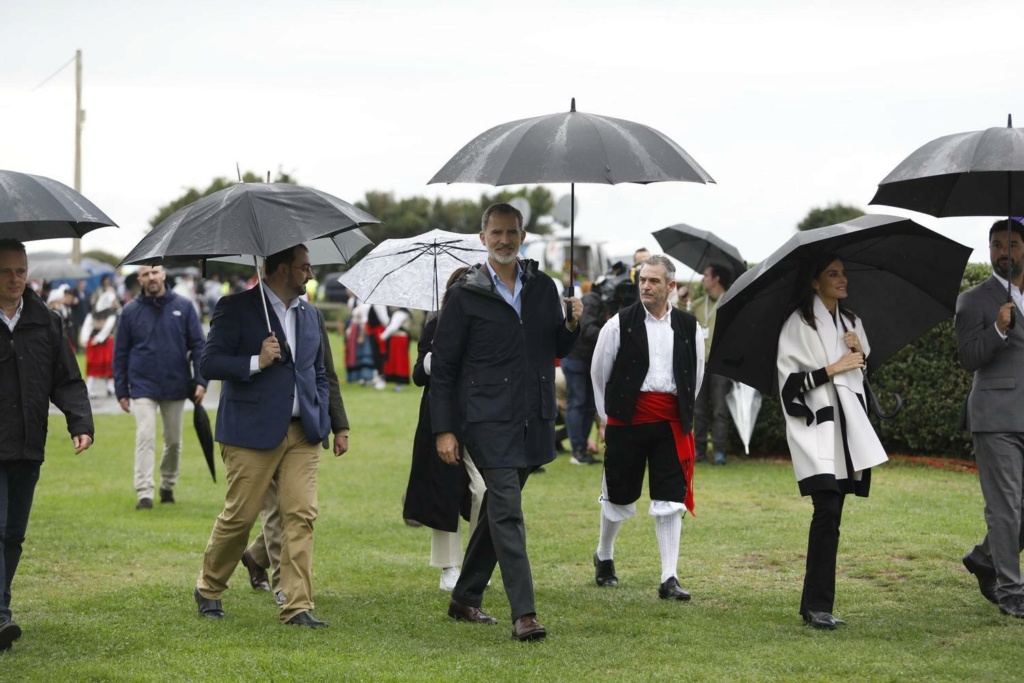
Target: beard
(501,258)
(1016,268)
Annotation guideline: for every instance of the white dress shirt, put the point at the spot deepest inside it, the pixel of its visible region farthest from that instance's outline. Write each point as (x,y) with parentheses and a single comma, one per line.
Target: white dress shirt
(286,315)
(660,376)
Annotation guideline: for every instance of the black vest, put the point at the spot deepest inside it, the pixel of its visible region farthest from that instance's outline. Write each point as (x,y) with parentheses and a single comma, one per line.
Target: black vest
(633,361)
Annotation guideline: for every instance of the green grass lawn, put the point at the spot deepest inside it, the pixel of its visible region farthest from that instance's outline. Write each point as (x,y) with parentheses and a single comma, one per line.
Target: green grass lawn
(105,592)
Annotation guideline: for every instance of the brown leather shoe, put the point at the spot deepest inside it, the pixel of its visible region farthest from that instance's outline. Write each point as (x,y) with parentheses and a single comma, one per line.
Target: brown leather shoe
(258,578)
(460,612)
(528,628)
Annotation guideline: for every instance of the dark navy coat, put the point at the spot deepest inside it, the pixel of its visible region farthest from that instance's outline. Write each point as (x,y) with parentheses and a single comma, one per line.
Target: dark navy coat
(493,375)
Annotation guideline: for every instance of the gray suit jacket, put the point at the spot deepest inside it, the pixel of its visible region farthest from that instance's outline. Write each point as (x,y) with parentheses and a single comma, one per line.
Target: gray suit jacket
(996,401)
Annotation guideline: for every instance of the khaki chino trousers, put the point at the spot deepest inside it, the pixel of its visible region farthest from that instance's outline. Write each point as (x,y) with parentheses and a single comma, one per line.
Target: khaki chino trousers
(292,466)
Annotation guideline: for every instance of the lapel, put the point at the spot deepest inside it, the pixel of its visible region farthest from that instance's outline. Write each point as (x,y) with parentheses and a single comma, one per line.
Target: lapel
(275,325)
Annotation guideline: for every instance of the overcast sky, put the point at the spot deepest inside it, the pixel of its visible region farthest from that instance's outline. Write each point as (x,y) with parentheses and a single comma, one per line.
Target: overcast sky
(788,105)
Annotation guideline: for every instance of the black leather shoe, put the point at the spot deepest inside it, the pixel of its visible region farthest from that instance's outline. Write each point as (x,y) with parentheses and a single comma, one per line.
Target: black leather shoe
(306,619)
(258,578)
(1013,606)
(9,632)
(604,572)
(166,496)
(460,612)
(986,579)
(671,590)
(211,609)
(144,504)
(528,628)
(822,621)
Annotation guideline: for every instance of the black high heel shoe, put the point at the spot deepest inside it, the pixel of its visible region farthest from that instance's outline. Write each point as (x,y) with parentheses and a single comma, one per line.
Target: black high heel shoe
(823,621)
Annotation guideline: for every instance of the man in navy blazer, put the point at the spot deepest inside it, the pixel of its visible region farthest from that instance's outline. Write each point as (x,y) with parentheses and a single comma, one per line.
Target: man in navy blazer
(270,422)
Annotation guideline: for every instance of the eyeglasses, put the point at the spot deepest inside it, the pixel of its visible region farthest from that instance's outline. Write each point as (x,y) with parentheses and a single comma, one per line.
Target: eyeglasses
(307,269)
(8,272)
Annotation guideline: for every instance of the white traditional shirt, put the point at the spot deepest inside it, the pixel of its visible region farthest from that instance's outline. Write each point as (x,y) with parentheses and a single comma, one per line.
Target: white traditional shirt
(660,376)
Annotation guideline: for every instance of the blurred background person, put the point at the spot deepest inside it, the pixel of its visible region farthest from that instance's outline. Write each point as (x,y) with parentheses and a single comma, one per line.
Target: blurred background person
(97,338)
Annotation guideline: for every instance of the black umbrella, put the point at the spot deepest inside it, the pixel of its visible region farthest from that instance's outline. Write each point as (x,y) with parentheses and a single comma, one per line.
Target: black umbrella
(968,174)
(698,248)
(57,270)
(201,422)
(34,207)
(571,147)
(903,280)
(257,220)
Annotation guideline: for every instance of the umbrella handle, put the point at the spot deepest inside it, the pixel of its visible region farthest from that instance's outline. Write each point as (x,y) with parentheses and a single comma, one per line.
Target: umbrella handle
(876,406)
(568,311)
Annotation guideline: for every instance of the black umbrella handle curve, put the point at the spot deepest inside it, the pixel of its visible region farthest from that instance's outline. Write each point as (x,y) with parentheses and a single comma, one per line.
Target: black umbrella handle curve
(875,405)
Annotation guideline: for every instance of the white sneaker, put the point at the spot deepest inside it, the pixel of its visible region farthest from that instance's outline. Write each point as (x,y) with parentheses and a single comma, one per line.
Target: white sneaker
(380,385)
(449,576)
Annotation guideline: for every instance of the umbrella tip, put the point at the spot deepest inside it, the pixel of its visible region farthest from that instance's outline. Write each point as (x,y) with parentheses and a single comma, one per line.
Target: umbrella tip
(1009,120)
(238,170)
(572,107)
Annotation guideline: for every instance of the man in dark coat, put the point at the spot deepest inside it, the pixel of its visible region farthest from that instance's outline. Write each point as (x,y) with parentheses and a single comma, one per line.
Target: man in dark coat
(493,384)
(37,366)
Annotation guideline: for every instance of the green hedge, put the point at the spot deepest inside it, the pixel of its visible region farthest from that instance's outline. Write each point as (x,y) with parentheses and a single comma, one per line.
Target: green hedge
(931,383)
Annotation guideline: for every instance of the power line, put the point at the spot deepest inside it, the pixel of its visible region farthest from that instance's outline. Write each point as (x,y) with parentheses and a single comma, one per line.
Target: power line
(51,76)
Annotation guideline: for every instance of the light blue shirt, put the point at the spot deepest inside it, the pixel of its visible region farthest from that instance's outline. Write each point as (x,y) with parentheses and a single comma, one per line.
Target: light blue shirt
(513,299)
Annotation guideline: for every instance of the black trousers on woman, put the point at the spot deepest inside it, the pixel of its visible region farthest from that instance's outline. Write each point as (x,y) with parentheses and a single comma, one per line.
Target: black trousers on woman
(822,547)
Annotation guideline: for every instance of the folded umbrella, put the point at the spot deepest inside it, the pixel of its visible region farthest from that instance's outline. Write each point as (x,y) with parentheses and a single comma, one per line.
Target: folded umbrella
(412,272)
(201,423)
(744,403)
(34,207)
(698,248)
(903,280)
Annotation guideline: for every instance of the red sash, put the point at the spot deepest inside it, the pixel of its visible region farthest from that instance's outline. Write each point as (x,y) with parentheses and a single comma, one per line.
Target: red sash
(657,407)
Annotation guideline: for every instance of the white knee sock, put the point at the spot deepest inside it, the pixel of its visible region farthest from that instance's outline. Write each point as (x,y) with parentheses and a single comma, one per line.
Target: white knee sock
(668,529)
(606,545)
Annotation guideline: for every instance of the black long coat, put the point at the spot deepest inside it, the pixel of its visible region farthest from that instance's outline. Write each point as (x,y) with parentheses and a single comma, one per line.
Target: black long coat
(437,493)
(493,374)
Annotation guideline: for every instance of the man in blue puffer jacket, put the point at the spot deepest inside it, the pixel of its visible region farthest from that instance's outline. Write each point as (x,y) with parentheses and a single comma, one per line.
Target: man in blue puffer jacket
(156,332)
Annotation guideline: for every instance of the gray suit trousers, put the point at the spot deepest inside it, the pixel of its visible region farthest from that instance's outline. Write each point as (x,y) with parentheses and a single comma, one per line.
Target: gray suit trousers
(1000,459)
(499,539)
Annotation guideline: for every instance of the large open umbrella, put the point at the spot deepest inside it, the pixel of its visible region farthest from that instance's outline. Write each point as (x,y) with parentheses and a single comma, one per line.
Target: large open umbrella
(980,173)
(412,272)
(571,147)
(34,207)
(698,248)
(903,280)
(56,269)
(255,220)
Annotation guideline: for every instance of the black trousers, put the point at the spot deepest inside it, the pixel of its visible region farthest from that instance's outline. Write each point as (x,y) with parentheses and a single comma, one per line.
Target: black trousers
(18,480)
(822,547)
(499,539)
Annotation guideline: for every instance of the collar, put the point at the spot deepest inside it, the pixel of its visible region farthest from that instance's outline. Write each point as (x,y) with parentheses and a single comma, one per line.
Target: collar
(494,275)
(276,300)
(648,317)
(1004,282)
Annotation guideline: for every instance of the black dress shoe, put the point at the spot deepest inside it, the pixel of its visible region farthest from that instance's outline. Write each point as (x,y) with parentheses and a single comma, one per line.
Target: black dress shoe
(258,578)
(528,628)
(604,572)
(211,609)
(306,619)
(9,632)
(671,590)
(986,579)
(823,621)
(1013,606)
(460,612)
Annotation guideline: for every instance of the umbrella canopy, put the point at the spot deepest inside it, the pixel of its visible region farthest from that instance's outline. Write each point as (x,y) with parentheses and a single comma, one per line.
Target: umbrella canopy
(323,250)
(57,270)
(412,272)
(34,207)
(903,280)
(968,174)
(744,403)
(571,147)
(248,219)
(698,248)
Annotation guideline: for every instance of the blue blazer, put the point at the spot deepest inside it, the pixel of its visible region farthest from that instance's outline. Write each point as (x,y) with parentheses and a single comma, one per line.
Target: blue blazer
(255,410)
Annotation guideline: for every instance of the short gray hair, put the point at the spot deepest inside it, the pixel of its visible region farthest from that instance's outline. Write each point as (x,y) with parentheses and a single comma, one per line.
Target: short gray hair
(663,261)
(501,208)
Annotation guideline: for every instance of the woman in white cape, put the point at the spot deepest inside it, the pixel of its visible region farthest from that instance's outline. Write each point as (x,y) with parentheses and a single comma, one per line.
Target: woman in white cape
(821,360)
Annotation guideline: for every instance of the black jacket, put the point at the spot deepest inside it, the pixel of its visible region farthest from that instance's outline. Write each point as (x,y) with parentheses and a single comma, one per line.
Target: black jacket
(46,370)
(493,375)
(437,492)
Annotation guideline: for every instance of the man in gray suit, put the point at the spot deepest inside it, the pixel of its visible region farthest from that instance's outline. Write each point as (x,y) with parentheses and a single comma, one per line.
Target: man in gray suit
(993,350)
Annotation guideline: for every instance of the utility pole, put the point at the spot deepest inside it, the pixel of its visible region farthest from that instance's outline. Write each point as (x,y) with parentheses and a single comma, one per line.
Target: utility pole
(76,244)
